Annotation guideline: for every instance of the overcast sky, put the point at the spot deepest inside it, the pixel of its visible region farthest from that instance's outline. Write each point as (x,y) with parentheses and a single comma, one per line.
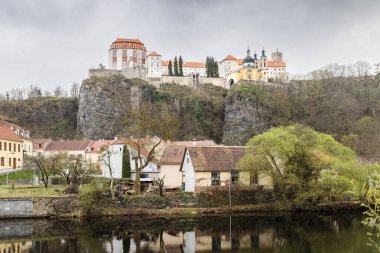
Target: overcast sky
(52,42)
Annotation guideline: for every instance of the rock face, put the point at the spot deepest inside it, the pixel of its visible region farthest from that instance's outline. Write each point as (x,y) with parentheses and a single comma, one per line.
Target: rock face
(102,104)
(242,119)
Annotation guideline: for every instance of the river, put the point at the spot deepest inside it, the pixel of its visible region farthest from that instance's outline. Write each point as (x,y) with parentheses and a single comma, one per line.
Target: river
(296,233)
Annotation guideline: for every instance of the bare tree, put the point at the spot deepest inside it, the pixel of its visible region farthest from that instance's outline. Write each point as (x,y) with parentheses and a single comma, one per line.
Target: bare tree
(75,170)
(105,157)
(74,90)
(58,91)
(47,166)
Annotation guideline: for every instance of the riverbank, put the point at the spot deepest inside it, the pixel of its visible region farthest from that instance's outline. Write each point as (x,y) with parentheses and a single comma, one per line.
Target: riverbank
(72,206)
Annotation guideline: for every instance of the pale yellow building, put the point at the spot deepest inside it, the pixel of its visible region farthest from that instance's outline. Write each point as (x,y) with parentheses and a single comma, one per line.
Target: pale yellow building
(171,160)
(11,150)
(75,149)
(217,166)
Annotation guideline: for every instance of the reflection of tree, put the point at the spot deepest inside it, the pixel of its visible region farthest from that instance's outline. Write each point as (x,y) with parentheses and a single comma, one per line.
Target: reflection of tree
(372,203)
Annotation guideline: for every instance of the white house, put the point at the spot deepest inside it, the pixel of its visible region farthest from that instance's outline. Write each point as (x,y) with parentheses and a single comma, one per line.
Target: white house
(149,173)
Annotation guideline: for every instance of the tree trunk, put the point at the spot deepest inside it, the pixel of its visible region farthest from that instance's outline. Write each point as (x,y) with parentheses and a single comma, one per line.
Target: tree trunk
(137,178)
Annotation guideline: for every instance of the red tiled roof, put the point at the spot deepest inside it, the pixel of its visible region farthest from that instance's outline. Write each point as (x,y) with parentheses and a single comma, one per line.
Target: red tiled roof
(121,43)
(190,64)
(274,64)
(195,143)
(68,145)
(125,40)
(97,145)
(7,134)
(133,144)
(38,142)
(230,58)
(173,154)
(154,53)
(218,158)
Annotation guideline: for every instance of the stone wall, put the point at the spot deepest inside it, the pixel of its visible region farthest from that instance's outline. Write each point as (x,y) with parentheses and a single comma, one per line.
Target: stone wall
(39,207)
(16,207)
(194,82)
(128,73)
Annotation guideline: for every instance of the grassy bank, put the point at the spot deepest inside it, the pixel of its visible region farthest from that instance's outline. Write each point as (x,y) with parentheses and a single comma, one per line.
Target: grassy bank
(17,175)
(28,191)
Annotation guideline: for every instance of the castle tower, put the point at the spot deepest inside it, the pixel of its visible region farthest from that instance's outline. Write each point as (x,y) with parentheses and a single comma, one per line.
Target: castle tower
(277,56)
(263,60)
(126,54)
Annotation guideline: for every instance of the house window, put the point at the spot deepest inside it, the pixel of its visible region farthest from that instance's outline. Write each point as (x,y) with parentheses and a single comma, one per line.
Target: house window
(72,156)
(1,146)
(10,162)
(234,177)
(253,178)
(14,148)
(80,156)
(39,145)
(215,178)
(10,146)
(2,162)
(19,148)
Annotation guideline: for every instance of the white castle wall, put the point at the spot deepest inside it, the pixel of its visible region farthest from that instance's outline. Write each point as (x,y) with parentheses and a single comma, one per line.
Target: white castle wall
(193,82)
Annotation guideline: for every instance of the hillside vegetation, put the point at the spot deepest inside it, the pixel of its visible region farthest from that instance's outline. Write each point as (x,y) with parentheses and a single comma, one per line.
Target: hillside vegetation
(53,117)
(344,107)
(347,108)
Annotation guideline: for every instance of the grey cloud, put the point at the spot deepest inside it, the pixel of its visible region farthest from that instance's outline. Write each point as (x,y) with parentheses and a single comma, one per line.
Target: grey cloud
(50,43)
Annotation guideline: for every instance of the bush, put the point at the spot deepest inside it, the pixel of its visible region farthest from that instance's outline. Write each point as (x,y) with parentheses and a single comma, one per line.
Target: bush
(87,196)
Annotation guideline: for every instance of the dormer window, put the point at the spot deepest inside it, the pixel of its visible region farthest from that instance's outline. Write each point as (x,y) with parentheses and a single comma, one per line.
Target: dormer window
(115,46)
(124,45)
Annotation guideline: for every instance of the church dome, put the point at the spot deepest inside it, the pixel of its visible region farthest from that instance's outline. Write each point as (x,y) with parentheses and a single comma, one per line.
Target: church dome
(248,58)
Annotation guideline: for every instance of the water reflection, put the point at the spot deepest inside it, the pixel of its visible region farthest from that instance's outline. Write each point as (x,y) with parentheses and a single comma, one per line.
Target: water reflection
(261,234)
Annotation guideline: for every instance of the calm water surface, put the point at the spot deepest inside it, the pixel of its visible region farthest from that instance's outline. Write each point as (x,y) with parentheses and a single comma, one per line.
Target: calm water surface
(297,233)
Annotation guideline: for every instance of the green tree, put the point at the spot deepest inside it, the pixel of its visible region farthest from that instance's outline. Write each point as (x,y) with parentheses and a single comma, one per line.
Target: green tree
(170,67)
(176,73)
(305,165)
(180,62)
(208,69)
(126,170)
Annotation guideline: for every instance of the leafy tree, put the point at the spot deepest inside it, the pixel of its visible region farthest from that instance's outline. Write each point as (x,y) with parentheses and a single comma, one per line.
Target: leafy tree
(180,63)
(170,67)
(208,68)
(176,72)
(304,164)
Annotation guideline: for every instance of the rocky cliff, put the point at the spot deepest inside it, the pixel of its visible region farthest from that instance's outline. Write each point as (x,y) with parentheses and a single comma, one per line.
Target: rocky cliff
(242,119)
(105,105)
(102,104)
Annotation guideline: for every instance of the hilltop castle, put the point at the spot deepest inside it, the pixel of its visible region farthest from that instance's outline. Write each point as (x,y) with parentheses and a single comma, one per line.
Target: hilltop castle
(130,58)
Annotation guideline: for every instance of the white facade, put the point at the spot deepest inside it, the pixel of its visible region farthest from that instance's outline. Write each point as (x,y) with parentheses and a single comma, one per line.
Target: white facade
(126,54)
(116,161)
(153,64)
(227,65)
(188,169)
(172,175)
